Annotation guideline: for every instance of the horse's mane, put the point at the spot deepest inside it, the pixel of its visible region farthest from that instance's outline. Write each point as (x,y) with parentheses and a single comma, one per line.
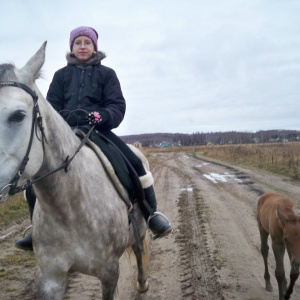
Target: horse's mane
(7,72)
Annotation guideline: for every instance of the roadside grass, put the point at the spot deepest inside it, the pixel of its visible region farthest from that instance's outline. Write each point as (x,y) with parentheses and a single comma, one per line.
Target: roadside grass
(12,268)
(12,262)
(19,258)
(282,158)
(13,209)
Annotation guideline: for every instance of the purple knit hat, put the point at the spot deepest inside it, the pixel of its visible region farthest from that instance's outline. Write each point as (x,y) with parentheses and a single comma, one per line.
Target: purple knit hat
(86,31)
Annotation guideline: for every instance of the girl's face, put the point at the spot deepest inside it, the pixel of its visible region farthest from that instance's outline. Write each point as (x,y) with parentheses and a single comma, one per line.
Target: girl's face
(83,48)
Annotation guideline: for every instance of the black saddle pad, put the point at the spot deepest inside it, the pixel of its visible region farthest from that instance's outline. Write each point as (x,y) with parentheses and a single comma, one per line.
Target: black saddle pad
(122,167)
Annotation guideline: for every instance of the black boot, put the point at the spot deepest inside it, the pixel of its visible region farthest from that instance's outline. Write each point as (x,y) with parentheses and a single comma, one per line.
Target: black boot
(25,243)
(157,222)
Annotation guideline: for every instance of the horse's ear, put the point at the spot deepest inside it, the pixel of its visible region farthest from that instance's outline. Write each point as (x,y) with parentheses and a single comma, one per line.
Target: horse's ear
(30,71)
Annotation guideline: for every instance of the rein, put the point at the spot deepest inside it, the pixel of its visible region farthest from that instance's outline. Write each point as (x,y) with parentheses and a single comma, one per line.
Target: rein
(36,122)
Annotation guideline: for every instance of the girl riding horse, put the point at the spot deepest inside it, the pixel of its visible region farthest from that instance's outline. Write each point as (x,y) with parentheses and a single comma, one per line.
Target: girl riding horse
(85,85)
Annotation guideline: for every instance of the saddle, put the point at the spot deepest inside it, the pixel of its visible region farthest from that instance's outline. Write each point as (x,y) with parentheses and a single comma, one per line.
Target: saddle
(121,172)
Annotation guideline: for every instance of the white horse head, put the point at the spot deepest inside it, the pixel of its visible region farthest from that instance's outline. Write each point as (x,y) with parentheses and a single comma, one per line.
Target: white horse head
(16,114)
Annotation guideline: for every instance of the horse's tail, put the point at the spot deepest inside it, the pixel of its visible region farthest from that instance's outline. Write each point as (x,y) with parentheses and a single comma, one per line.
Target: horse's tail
(144,253)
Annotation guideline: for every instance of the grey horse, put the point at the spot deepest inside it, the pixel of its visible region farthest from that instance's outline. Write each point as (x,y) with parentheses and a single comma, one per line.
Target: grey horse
(80,222)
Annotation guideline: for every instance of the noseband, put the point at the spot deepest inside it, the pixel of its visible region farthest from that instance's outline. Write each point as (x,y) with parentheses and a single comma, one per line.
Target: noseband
(36,122)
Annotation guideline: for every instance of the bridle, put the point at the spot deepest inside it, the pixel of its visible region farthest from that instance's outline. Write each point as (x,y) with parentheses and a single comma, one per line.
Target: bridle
(36,123)
(36,119)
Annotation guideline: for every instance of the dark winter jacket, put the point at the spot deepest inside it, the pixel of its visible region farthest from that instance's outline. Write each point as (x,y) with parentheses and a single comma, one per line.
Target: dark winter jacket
(87,86)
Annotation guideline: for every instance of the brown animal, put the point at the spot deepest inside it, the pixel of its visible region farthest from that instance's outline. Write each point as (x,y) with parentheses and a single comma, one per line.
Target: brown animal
(276,217)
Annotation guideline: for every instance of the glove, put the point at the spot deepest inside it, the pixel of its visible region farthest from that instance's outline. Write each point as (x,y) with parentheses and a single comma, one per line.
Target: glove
(94,118)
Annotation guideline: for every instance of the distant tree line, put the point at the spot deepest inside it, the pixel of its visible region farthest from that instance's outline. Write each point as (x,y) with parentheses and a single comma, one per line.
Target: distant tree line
(200,138)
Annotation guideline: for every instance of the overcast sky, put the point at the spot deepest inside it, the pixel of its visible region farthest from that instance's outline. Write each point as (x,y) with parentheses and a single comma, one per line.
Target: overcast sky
(184,65)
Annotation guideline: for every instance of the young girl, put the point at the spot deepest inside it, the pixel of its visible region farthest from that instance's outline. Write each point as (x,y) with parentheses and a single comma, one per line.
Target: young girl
(86,85)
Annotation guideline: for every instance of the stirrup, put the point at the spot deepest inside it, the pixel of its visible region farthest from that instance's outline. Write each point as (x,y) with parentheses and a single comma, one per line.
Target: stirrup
(25,243)
(27,228)
(24,195)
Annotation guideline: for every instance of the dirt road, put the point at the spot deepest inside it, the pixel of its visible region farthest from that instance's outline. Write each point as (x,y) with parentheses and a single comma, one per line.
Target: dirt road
(213,252)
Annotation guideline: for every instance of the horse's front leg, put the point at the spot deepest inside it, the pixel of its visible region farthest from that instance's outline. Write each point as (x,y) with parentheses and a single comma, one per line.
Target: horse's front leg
(279,250)
(50,286)
(293,277)
(264,249)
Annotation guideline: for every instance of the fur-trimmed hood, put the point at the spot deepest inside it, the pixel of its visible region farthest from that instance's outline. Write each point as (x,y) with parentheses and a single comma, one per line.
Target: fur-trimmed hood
(94,60)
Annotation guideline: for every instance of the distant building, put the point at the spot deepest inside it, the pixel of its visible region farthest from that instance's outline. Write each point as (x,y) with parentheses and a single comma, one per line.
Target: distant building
(164,144)
(137,144)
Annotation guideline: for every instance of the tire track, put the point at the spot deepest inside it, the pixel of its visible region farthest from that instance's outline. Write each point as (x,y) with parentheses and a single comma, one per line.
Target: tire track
(198,278)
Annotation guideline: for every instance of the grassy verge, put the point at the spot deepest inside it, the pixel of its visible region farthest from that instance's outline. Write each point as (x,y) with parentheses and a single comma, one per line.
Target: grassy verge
(13,209)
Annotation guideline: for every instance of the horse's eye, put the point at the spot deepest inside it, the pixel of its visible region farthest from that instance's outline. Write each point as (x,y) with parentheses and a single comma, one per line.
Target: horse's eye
(17,117)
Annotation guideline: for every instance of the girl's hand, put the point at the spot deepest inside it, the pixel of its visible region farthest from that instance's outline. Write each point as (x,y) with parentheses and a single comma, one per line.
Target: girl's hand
(94,118)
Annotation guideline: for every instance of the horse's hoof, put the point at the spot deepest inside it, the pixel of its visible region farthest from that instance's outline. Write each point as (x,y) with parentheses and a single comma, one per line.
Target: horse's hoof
(142,288)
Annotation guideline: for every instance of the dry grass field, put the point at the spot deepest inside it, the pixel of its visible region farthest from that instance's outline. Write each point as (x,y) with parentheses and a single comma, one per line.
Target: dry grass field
(278,158)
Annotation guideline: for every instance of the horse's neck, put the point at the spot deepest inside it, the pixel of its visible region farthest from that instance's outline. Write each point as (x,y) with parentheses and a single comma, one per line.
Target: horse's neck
(61,139)
(61,142)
